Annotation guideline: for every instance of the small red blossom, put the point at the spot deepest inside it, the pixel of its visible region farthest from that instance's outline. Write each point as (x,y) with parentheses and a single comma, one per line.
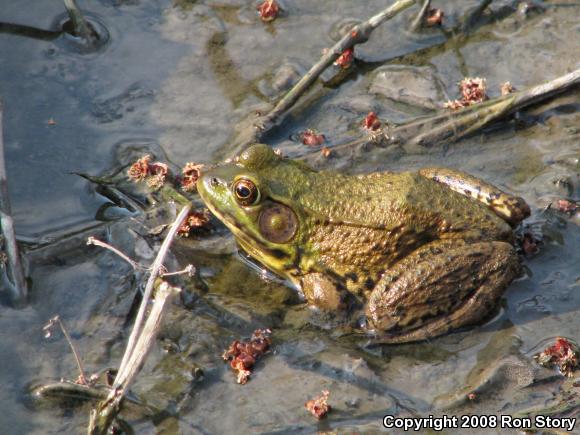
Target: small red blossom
(372,122)
(189,176)
(243,355)
(472,396)
(196,219)
(434,17)
(268,10)
(506,88)
(565,206)
(473,91)
(319,406)
(563,354)
(158,173)
(140,169)
(345,59)
(312,138)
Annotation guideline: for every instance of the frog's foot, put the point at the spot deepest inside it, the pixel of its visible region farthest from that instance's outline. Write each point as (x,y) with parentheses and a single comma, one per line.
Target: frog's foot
(323,292)
(441,286)
(512,209)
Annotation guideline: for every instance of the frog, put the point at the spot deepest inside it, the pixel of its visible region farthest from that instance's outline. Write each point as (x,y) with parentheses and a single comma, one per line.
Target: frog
(418,253)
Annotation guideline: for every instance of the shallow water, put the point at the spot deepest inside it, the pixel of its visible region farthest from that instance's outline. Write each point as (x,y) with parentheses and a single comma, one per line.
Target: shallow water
(175,79)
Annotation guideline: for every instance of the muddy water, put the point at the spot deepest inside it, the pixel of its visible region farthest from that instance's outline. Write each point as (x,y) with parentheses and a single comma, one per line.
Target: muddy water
(175,79)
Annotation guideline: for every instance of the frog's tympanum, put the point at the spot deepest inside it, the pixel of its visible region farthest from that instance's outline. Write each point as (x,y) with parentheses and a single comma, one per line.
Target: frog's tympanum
(424,252)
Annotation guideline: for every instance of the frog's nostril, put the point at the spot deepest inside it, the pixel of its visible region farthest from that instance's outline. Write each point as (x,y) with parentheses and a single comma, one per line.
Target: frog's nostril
(214,182)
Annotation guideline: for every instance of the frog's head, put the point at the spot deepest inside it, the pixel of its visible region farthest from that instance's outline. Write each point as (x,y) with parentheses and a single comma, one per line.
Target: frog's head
(257,197)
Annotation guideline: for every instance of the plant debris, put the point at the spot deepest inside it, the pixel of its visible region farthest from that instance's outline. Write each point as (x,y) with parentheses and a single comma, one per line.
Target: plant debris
(196,219)
(372,122)
(51,121)
(507,88)
(473,90)
(434,17)
(565,206)
(154,174)
(319,406)
(189,176)
(563,355)
(268,10)
(312,138)
(346,59)
(243,355)
(326,152)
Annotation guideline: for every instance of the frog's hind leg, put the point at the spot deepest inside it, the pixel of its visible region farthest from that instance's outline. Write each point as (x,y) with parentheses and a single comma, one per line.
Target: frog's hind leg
(512,209)
(441,286)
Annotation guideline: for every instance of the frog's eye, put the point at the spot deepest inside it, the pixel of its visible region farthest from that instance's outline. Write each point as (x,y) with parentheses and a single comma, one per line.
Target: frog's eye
(246,192)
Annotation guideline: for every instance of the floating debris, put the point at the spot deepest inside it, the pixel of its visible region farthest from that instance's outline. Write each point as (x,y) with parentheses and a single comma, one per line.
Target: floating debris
(473,90)
(189,176)
(565,206)
(372,122)
(326,152)
(51,121)
(507,88)
(434,17)
(243,355)
(139,170)
(268,10)
(196,219)
(158,175)
(346,59)
(563,355)
(312,138)
(529,244)
(319,406)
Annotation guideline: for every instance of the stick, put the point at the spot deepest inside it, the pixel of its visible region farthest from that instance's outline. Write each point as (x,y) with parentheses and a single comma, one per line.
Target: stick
(81,27)
(140,340)
(18,288)
(157,264)
(56,319)
(358,34)
(136,266)
(452,126)
(419,20)
(102,417)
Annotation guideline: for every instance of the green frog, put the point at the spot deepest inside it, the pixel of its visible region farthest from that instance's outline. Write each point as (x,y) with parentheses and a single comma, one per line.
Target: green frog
(421,252)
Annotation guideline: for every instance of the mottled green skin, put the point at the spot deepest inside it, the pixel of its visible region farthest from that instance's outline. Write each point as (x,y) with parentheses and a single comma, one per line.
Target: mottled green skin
(363,236)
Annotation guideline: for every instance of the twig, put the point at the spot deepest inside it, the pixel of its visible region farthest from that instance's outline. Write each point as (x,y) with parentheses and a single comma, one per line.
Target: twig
(452,126)
(141,338)
(189,269)
(92,241)
(157,264)
(18,288)
(419,20)
(105,412)
(81,26)
(357,35)
(56,320)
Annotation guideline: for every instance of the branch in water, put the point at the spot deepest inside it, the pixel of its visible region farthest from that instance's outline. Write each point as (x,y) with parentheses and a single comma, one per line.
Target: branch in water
(357,35)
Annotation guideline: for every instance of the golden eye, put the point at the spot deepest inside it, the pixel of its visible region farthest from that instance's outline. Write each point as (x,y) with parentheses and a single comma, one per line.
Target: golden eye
(246,192)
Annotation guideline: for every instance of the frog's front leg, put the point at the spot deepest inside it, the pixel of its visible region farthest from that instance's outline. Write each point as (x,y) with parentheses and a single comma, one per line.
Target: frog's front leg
(324,292)
(512,209)
(441,286)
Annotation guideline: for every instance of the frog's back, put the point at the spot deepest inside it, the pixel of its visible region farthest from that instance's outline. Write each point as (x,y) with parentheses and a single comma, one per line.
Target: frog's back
(386,200)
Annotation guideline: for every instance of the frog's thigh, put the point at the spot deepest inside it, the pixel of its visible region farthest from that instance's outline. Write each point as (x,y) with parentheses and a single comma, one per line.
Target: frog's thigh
(441,286)
(512,209)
